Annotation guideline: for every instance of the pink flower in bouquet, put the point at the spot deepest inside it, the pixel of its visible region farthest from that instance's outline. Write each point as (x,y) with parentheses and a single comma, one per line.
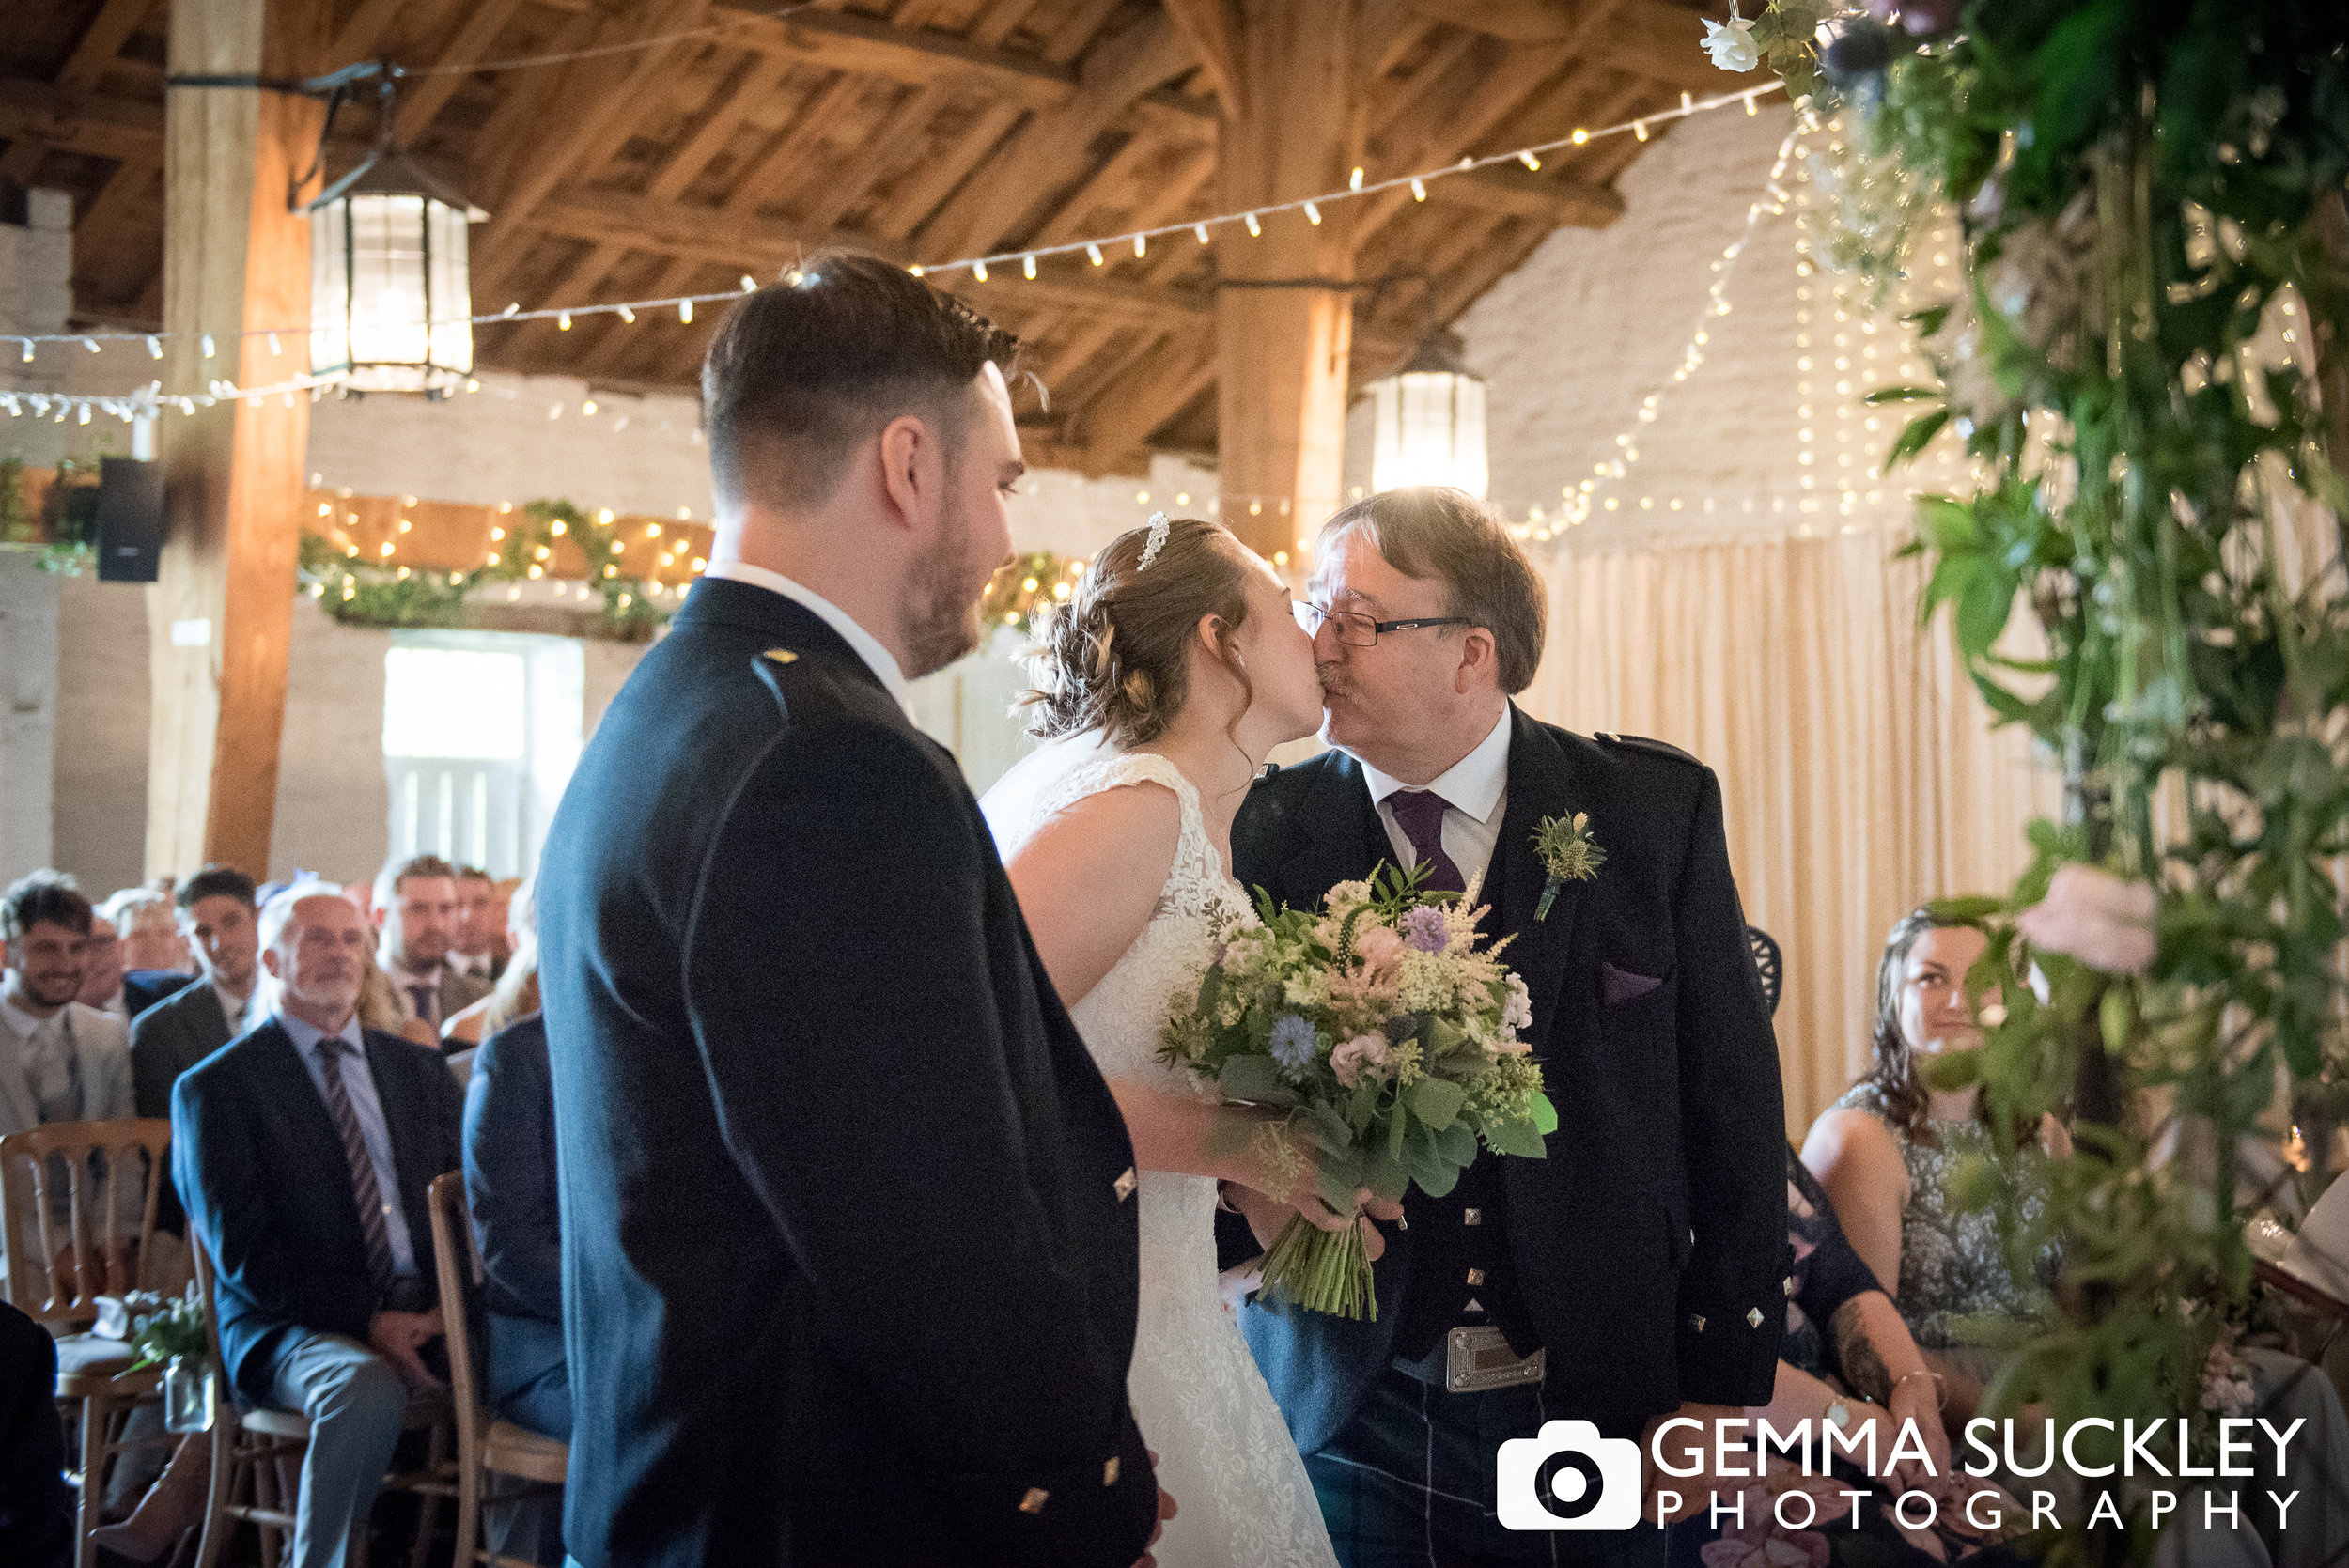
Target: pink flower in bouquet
(2091,915)
(1352,1056)
(1378,946)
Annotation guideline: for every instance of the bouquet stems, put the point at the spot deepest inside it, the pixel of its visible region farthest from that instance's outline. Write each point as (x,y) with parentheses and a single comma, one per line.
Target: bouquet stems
(1322,1271)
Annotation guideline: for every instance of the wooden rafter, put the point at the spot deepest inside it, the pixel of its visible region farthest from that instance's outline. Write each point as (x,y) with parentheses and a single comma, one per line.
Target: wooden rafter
(917,129)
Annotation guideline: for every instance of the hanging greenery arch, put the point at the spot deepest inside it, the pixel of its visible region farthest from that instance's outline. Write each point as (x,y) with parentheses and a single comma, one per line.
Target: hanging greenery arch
(2156,265)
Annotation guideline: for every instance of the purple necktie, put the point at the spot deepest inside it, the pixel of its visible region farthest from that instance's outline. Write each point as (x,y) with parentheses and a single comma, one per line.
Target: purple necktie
(1420,813)
(422,997)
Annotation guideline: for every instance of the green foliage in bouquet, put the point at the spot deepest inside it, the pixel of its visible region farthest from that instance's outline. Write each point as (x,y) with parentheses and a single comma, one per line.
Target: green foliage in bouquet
(1378,1034)
(2156,278)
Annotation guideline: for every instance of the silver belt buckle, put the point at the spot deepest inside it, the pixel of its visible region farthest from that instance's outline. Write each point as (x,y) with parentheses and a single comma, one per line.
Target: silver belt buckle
(1480,1358)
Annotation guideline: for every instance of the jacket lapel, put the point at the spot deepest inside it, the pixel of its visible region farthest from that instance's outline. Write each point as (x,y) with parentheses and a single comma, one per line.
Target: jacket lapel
(1343,836)
(296,1094)
(1541,785)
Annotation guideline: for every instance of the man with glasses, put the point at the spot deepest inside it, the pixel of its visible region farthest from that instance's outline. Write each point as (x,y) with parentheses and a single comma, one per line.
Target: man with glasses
(1635,1273)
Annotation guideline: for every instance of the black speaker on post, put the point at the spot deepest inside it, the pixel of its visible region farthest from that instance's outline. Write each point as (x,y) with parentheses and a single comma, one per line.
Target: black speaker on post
(130,521)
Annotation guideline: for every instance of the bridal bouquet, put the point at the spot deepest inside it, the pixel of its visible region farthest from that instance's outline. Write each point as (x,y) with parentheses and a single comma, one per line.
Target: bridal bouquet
(1377,1034)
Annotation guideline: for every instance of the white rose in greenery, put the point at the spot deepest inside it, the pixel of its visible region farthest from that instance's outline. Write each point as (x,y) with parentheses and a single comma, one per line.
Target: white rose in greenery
(1732,44)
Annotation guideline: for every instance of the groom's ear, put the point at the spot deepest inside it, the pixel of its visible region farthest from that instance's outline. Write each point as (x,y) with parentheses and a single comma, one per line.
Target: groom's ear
(913,467)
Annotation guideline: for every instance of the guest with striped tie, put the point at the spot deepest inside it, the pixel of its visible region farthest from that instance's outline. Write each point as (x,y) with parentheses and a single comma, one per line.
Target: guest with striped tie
(302,1151)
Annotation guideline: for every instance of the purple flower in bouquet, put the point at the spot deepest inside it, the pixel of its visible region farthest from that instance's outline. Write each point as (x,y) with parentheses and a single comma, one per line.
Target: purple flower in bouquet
(1292,1044)
(1423,930)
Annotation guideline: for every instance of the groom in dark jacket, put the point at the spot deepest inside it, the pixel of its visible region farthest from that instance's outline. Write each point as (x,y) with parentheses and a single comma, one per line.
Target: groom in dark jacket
(849,1250)
(1635,1273)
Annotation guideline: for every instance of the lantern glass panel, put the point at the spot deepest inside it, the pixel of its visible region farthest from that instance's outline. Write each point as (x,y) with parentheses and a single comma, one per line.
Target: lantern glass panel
(1429,429)
(389,294)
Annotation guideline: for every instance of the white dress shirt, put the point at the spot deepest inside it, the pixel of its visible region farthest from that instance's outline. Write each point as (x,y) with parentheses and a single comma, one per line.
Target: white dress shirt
(1476,796)
(45,1048)
(868,647)
(366,1108)
(233,1008)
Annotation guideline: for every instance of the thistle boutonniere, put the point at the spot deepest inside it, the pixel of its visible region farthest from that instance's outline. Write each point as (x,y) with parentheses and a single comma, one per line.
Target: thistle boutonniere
(1569,853)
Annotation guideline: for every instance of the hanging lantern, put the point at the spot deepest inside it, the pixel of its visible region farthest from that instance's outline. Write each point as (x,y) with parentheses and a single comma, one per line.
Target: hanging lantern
(1429,422)
(389,297)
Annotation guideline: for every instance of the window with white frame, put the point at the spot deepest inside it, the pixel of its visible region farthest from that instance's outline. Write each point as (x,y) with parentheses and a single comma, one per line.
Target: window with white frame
(480,732)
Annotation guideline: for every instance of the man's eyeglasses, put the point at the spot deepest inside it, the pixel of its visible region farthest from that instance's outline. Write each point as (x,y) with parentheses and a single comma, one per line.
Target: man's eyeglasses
(1358,630)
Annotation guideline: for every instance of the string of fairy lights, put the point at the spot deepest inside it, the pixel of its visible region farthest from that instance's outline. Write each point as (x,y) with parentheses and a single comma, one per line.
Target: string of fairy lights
(1837,471)
(1098,250)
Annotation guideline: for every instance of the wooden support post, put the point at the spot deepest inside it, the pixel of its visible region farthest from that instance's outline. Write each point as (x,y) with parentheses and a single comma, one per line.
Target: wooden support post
(235,259)
(1285,314)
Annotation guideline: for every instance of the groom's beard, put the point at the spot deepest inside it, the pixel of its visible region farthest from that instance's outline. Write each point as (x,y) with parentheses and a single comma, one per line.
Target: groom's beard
(939,610)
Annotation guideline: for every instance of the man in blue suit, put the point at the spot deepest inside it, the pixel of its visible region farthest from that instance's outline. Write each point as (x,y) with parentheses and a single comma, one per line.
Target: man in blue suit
(302,1150)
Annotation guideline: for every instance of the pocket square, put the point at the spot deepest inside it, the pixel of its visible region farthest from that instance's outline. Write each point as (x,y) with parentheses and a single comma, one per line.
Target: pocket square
(1622,985)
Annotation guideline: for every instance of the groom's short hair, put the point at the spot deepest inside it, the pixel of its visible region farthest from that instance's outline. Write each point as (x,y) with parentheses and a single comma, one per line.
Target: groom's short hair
(1432,531)
(802,372)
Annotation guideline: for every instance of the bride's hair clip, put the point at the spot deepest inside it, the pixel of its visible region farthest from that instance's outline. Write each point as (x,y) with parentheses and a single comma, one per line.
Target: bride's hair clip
(1160,528)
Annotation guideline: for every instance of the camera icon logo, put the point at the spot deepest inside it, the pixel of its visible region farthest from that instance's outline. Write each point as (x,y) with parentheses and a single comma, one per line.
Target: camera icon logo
(1569,1477)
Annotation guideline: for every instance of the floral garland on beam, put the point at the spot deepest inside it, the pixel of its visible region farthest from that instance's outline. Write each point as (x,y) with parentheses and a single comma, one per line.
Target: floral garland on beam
(362,592)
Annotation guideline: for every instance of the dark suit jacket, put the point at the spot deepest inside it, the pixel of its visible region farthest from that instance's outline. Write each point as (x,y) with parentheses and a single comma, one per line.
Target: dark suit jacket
(849,1254)
(268,1188)
(166,1040)
(143,988)
(1657,1222)
(509,1186)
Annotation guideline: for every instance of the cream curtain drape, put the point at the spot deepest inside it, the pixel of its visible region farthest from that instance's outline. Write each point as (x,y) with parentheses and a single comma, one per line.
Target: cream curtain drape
(1858,768)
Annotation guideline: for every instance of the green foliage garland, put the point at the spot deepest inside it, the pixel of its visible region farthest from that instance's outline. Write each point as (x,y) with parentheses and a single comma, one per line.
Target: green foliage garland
(361,592)
(2144,188)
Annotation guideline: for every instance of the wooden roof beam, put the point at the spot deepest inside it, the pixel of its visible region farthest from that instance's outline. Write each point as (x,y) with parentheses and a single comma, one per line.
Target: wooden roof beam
(1214,29)
(1654,38)
(1515,193)
(841,40)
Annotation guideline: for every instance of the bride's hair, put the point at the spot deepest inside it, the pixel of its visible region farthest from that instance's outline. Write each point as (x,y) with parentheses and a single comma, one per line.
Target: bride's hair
(1115,658)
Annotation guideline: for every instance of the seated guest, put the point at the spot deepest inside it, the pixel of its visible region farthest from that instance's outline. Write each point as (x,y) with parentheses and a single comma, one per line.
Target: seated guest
(415,912)
(1887,1154)
(59,1060)
(217,913)
(509,1183)
(102,969)
(302,1151)
(473,947)
(517,992)
(155,959)
(1886,1151)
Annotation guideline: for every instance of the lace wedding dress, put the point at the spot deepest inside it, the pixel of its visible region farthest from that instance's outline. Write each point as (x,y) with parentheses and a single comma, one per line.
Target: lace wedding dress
(1242,1497)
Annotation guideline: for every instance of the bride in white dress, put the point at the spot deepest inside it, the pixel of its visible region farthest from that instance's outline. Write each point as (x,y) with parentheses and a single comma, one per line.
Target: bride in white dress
(1175,667)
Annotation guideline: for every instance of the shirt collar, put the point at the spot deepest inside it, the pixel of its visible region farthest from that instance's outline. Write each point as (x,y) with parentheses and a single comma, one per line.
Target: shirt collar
(877,659)
(21,1022)
(306,1036)
(1472,784)
(230,1007)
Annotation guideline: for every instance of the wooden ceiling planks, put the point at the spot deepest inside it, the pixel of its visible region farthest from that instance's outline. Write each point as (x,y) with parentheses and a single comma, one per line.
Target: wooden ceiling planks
(922,128)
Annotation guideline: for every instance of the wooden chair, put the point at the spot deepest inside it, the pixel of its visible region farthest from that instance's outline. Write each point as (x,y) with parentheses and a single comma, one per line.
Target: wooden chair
(486,1446)
(248,1442)
(102,1251)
